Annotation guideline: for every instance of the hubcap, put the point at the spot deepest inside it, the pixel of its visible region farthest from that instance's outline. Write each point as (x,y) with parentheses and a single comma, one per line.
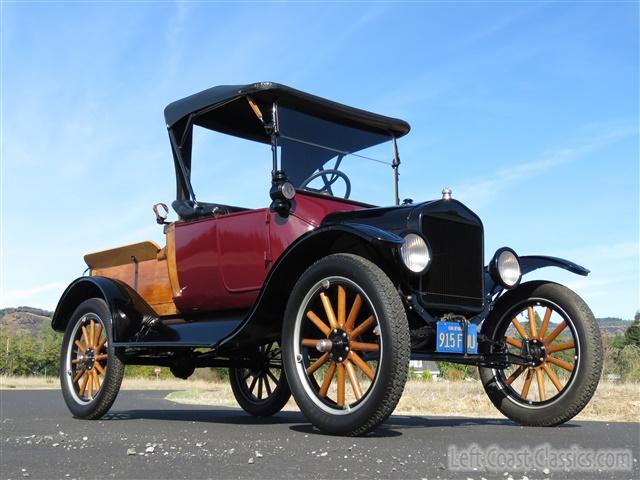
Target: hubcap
(340,345)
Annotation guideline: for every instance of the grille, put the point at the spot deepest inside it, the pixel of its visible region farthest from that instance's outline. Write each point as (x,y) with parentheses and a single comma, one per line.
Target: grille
(455,278)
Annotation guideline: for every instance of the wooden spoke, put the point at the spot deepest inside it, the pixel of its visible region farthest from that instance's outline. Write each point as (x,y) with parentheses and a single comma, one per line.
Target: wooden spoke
(103,356)
(341,384)
(260,388)
(554,378)
(545,322)
(353,313)
(85,337)
(342,306)
(527,384)
(96,381)
(267,386)
(98,367)
(519,328)
(80,346)
(363,327)
(513,342)
(273,377)
(561,346)
(92,333)
(90,382)
(533,328)
(351,373)
(355,358)
(552,336)
(309,342)
(515,374)
(318,323)
(318,363)
(102,344)
(96,338)
(327,380)
(365,347)
(540,381)
(253,384)
(328,310)
(75,361)
(560,363)
(83,384)
(78,375)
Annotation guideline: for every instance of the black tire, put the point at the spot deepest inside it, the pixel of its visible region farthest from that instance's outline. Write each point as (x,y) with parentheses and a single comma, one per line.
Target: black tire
(80,399)
(249,384)
(389,340)
(577,326)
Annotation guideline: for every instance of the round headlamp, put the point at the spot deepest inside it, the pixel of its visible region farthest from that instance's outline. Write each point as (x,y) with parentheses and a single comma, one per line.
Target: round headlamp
(415,253)
(505,268)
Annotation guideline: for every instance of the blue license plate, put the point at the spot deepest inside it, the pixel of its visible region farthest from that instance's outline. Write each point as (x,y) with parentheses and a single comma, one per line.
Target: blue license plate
(449,338)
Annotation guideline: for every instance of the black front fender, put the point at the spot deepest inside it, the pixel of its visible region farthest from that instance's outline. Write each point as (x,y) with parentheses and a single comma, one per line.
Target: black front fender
(530,263)
(265,318)
(128,310)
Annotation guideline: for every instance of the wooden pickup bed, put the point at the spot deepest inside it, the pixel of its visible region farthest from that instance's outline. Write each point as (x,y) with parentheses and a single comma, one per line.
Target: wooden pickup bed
(145,267)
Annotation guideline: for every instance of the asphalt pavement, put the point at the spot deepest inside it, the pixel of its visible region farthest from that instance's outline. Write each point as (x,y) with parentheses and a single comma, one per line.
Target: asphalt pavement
(145,436)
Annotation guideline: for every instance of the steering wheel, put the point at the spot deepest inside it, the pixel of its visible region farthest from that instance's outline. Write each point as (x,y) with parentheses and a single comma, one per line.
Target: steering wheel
(328,181)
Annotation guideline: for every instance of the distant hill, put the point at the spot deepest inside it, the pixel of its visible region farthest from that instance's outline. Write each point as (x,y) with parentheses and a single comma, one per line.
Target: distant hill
(23,319)
(613,326)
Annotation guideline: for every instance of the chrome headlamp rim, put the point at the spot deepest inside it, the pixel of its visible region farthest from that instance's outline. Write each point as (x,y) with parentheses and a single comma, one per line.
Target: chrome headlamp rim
(402,249)
(495,271)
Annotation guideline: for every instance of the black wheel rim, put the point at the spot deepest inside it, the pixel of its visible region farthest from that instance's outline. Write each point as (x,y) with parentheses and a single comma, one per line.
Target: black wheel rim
(87,358)
(260,384)
(338,313)
(543,330)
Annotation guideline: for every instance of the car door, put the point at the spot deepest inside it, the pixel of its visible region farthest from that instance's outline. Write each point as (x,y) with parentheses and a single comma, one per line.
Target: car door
(221,261)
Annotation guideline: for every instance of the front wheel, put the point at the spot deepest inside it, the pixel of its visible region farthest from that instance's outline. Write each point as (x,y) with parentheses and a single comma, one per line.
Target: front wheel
(91,369)
(345,345)
(555,328)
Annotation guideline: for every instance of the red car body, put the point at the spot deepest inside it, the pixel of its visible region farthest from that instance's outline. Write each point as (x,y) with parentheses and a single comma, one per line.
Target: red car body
(223,261)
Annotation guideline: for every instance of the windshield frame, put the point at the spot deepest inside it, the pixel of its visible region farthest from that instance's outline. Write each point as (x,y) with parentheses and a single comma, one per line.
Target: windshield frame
(277,135)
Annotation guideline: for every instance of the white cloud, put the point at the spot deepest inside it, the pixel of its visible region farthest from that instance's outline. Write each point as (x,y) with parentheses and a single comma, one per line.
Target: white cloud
(481,191)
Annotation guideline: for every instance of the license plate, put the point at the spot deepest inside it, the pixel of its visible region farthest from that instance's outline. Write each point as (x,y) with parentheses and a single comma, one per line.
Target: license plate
(449,338)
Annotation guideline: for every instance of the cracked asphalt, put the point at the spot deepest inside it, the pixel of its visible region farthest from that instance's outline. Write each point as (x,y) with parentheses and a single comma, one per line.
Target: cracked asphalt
(147,437)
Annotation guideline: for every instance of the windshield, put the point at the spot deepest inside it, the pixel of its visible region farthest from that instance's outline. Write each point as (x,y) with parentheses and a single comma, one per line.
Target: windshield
(325,157)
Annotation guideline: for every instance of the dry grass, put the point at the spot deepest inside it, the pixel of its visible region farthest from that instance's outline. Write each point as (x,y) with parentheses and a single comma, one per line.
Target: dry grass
(612,401)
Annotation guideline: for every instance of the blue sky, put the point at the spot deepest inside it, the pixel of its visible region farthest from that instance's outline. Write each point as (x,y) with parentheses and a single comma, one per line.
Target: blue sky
(527,110)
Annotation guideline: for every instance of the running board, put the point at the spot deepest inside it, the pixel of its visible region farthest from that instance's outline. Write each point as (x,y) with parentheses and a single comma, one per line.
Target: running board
(190,331)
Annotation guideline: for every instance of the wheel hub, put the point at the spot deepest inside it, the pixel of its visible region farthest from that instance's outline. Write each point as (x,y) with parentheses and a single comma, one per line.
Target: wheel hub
(340,345)
(534,350)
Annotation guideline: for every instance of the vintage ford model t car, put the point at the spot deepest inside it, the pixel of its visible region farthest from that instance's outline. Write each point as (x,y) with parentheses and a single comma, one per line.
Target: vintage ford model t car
(317,294)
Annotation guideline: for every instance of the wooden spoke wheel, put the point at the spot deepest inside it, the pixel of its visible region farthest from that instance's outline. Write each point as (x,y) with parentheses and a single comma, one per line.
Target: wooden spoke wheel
(554,329)
(91,369)
(346,345)
(262,390)
(340,345)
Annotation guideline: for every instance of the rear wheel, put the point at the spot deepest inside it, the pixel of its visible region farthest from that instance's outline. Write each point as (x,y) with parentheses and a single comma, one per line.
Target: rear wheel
(262,391)
(91,369)
(556,328)
(346,345)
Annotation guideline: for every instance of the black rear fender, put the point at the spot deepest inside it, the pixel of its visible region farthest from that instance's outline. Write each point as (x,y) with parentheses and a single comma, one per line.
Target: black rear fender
(128,310)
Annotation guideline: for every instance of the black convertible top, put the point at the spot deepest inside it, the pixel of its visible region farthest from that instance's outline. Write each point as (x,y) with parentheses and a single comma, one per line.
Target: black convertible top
(223,108)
